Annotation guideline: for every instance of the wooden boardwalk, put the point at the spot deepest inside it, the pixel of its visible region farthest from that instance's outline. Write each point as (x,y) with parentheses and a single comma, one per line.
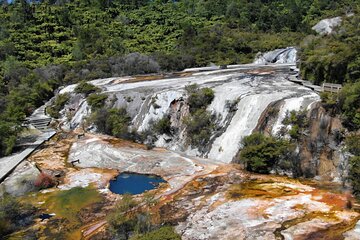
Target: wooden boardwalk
(305,83)
(9,163)
(40,121)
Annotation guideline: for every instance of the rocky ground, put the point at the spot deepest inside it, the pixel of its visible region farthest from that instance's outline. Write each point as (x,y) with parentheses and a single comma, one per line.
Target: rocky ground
(203,199)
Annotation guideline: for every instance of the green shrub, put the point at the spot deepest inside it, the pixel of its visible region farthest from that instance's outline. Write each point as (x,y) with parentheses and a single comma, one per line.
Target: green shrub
(354,174)
(122,221)
(328,98)
(113,122)
(10,143)
(14,215)
(58,105)
(96,100)
(199,126)
(298,120)
(261,153)
(350,105)
(294,132)
(86,88)
(163,126)
(296,117)
(199,98)
(352,143)
(8,137)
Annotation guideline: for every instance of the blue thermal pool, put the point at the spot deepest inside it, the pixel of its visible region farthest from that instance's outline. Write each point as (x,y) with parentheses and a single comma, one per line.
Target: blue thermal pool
(134,183)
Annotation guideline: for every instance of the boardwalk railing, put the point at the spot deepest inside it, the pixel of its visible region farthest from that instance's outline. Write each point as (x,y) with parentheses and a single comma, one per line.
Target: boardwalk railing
(331,87)
(325,87)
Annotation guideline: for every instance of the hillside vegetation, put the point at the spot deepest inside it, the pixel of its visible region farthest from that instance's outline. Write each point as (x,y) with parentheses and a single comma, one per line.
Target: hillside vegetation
(46,44)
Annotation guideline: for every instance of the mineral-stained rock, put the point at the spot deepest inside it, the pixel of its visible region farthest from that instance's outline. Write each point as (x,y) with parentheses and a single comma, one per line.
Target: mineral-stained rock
(21,180)
(353,234)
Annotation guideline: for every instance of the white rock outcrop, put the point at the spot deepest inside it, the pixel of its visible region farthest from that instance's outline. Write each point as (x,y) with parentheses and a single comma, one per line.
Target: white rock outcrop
(327,26)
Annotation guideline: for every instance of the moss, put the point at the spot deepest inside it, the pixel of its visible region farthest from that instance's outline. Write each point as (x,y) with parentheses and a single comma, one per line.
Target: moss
(67,204)
(163,233)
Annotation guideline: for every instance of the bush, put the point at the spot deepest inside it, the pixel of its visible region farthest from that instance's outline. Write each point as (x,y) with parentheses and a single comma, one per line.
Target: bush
(174,62)
(199,98)
(86,88)
(330,102)
(261,153)
(163,126)
(200,124)
(352,143)
(199,127)
(14,215)
(58,105)
(328,98)
(96,100)
(350,105)
(354,174)
(294,132)
(113,122)
(122,221)
(296,117)
(136,63)
(44,181)
(298,120)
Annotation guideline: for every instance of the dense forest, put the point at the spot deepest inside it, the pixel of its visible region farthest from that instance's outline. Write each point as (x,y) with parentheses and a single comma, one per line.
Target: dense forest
(46,44)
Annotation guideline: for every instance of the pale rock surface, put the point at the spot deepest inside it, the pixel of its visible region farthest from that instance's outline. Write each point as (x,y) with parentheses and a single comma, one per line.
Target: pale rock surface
(326,26)
(21,180)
